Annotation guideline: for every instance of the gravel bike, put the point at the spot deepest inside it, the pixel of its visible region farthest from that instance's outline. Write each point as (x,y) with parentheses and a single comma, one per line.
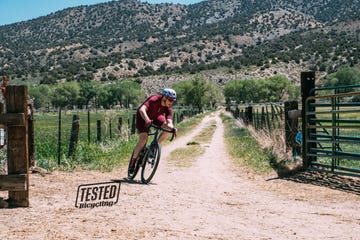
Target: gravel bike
(149,156)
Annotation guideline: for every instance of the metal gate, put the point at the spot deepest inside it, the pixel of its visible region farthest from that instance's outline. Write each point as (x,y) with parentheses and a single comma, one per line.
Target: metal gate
(331,138)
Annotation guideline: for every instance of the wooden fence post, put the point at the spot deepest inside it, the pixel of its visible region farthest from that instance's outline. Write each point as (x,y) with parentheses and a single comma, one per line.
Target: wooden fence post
(120,123)
(17,145)
(256,122)
(2,127)
(88,126)
(31,137)
(74,135)
(262,118)
(98,130)
(249,115)
(291,124)
(59,137)
(307,83)
(268,119)
(110,128)
(133,125)
(237,112)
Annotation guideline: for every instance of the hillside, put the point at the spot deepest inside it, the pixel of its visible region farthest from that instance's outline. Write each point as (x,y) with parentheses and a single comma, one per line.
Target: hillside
(230,38)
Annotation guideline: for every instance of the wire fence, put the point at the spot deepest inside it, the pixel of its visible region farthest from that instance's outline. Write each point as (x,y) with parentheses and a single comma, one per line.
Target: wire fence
(62,130)
(262,116)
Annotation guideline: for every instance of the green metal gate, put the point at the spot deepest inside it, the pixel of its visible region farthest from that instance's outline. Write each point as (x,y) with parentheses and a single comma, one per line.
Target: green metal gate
(331,138)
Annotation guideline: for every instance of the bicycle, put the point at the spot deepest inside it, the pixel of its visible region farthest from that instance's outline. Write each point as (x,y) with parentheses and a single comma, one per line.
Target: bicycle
(149,156)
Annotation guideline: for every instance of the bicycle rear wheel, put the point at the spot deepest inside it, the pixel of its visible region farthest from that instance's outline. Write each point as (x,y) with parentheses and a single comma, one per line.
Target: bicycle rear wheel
(151,163)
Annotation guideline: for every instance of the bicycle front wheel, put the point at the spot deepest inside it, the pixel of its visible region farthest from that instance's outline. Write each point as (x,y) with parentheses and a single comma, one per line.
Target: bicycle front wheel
(151,163)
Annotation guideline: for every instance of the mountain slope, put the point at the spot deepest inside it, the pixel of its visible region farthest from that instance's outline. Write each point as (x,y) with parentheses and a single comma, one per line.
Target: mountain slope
(128,38)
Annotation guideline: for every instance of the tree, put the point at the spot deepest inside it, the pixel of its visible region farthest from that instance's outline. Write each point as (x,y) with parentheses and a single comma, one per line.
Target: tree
(132,93)
(242,90)
(65,95)
(40,95)
(88,92)
(213,95)
(278,86)
(344,76)
(182,88)
(125,93)
(230,91)
(273,89)
(198,93)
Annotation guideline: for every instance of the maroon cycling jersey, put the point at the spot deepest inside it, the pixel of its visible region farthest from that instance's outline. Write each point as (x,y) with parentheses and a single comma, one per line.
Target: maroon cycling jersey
(155,111)
(154,108)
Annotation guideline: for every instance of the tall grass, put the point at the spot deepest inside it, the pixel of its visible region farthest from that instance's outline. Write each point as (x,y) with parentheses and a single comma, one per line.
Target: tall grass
(244,148)
(90,155)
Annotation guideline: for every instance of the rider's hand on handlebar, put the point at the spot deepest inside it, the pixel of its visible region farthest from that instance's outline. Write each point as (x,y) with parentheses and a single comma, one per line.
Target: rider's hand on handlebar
(148,123)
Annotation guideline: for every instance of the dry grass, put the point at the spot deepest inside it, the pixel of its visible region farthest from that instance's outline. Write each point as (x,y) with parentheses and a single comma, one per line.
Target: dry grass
(184,157)
(205,135)
(284,163)
(274,141)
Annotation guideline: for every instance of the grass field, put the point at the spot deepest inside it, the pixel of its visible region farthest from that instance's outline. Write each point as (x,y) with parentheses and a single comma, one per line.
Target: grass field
(113,150)
(48,143)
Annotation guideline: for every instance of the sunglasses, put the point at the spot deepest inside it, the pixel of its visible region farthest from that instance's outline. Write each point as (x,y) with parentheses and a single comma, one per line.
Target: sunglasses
(169,100)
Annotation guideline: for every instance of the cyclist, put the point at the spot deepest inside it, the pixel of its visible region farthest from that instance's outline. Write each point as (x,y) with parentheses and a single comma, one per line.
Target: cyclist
(155,110)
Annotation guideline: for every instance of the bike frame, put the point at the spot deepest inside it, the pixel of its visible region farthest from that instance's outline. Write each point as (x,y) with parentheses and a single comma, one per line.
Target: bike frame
(155,134)
(149,161)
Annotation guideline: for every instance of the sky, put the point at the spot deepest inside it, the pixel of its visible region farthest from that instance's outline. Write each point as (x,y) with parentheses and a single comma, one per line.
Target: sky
(12,11)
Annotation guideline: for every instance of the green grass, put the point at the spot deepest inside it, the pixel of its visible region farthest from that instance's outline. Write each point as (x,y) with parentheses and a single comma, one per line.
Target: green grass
(184,157)
(46,131)
(244,149)
(103,156)
(205,135)
(89,155)
(189,124)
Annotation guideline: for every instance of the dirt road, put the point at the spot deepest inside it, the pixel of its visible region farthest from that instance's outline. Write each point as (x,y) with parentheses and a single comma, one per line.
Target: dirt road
(209,200)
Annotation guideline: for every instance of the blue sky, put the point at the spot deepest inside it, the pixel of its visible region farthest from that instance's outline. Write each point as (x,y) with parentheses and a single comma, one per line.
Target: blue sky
(12,11)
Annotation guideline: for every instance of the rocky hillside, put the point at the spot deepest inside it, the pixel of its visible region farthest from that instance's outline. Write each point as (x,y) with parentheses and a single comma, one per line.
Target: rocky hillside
(221,39)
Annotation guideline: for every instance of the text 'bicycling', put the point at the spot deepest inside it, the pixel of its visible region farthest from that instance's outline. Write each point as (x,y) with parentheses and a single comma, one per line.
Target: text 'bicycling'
(97,195)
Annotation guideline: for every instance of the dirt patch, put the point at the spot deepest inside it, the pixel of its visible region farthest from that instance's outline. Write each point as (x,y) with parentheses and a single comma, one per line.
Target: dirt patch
(211,199)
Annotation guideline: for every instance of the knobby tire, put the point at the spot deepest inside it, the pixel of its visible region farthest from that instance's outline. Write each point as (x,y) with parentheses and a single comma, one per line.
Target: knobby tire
(149,168)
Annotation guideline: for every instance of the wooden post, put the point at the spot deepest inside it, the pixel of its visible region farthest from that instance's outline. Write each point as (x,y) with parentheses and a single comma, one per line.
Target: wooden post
(88,125)
(98,130)
(249,115)
(291,124)
(110,128)
(31,137)
(59,137)
(120,120)
(2,127)
(17,146)
(262,118)
(307,84)
(237,112)
(267,118)
(74,135)
(133,125)
(257,119)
